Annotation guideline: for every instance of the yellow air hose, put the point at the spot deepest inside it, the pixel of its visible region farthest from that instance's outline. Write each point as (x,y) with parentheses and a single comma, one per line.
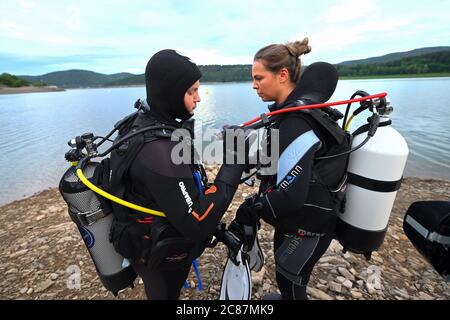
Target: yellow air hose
(347,125)
(109,196)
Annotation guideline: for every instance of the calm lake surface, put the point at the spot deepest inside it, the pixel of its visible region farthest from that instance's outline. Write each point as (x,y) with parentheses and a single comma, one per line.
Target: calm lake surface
(35,128)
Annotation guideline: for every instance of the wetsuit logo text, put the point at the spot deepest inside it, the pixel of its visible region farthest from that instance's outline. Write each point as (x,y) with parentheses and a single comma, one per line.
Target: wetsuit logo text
(186,196)
(291,177)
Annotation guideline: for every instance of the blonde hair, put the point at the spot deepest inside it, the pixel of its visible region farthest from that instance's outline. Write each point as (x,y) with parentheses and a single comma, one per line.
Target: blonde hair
(278,56)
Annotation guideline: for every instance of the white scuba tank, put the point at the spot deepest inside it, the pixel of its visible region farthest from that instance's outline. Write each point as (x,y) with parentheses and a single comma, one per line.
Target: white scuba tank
(374,175)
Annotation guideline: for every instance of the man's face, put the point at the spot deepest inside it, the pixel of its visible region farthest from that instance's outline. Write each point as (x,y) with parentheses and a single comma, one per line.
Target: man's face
(191,97)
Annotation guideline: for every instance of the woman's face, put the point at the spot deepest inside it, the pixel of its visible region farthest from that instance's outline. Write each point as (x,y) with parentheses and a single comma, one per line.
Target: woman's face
(266,83)
(191,97)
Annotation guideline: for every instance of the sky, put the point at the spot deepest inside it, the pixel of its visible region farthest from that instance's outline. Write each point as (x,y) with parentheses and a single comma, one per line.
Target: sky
(111,36)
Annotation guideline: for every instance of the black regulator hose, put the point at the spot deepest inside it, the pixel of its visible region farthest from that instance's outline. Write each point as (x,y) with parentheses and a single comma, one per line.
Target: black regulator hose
(360,93)
(374,124)
(131,135)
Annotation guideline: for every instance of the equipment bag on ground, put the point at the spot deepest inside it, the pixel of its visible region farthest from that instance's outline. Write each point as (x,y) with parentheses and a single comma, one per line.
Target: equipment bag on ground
(427,225)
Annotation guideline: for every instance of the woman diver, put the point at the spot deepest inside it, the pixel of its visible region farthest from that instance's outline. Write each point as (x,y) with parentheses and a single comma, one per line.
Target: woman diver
(296,200)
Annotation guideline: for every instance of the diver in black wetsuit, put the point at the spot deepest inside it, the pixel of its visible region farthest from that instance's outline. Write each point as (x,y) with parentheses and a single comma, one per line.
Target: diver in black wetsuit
(296,200)
(165,247)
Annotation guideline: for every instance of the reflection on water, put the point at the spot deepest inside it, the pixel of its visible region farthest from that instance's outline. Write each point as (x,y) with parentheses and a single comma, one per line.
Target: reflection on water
(35,127)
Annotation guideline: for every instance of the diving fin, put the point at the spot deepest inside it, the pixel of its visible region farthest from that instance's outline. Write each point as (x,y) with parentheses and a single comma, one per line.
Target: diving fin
(255,256)
(236,279)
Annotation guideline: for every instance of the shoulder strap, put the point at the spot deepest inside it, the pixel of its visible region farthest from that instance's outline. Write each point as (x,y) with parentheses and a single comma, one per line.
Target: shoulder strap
(335,141)
(122,157)
(328,124)
(324,118)
(153,135)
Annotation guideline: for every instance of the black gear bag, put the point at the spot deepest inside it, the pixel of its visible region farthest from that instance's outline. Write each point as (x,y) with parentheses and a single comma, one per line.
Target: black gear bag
(427,225)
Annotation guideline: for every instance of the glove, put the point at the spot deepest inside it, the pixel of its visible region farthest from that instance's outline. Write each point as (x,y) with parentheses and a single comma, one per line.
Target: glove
(230,174)
(248,212)
(234,150)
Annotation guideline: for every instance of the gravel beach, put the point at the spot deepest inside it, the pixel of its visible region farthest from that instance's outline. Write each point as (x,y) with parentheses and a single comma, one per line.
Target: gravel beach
(41,245)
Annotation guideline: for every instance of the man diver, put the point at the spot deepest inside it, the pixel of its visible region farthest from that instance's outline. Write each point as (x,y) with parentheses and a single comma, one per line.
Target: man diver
(161,250)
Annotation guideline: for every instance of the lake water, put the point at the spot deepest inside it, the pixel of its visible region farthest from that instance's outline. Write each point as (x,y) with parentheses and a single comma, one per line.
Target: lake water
(35,128)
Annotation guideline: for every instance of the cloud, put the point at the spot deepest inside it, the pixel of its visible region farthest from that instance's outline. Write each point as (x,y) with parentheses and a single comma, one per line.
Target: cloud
(213,32)
(11,29)
(334,37)
(214,56)
(351,10)
(358,29)
(73,17)
(26,4)
(23,33)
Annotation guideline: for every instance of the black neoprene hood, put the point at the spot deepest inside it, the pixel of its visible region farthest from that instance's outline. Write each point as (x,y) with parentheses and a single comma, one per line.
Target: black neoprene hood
(168,76)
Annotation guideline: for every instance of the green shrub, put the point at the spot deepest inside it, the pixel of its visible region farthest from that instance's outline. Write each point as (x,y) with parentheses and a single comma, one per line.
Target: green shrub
(10,80)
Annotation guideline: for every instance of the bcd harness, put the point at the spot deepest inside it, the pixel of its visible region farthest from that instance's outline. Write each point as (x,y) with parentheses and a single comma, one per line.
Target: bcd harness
(328,179)
(134,234)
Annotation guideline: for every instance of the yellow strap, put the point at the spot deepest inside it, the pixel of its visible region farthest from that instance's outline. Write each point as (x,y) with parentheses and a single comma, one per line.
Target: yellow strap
(109,196)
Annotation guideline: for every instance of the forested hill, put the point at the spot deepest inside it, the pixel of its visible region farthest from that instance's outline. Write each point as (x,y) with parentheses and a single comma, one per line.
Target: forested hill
(9,80)
(432,63)
(395,56)
(76,78)
(435,63)
(210,73)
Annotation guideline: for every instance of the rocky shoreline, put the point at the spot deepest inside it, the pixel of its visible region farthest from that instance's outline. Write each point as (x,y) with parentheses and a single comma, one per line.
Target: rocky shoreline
(29,89)
(41,247)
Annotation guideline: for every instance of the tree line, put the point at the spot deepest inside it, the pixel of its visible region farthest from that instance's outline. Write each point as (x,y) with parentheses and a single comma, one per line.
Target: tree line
(438,62)
(10,80)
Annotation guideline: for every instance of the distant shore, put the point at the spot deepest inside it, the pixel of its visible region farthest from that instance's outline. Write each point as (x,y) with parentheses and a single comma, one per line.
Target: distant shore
(33,89)
(29,89)
(379,77)
(397,76)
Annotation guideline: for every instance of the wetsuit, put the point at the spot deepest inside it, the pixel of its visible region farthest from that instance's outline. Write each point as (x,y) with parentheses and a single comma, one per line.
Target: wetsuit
(297,202)
(173,190)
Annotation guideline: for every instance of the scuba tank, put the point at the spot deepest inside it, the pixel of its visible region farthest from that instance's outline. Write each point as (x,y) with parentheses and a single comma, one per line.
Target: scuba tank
(93,218)
(374,175)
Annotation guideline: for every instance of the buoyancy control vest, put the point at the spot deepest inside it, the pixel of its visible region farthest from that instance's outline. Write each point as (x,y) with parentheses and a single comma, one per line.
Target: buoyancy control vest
(131,230)
(328,178)
(114,234)
(330,171)
(123,156)
(136,235)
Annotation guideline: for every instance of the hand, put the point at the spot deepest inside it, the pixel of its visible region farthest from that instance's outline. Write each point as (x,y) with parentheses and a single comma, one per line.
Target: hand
(246,215)
(248,211)
(236,144)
